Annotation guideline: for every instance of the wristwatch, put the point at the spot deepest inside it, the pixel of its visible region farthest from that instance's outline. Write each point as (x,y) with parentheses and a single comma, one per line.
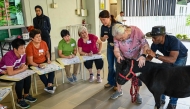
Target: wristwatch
(157,55)
(143,55)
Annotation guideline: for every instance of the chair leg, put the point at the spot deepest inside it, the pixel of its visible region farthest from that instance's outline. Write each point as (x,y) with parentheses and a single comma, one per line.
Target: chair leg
(13,102)
(103,73)
(81,71)
(56,80)
(35,84)
(84,73)
(31,90)
(63,75)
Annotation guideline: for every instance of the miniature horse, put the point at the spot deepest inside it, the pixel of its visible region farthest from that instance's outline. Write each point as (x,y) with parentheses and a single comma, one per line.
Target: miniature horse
(160,78)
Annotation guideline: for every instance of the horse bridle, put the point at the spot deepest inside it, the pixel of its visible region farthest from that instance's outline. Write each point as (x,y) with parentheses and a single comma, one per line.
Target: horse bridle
(130,72)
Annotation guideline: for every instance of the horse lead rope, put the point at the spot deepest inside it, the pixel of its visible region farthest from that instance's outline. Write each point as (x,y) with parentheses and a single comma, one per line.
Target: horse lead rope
(134,83)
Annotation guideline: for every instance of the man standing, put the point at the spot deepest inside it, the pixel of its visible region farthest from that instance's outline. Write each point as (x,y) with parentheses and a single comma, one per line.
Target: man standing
(174,52)
(119,17)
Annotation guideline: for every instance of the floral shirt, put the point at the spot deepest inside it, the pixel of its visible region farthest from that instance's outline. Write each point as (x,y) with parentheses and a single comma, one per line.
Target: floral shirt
(131,48)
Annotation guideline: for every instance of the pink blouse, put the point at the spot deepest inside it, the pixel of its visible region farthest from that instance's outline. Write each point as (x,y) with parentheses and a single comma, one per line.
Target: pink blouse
(131,48)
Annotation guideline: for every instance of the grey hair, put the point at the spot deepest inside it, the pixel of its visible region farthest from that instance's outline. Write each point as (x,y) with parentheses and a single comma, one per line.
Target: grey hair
(81,29)
(118,29)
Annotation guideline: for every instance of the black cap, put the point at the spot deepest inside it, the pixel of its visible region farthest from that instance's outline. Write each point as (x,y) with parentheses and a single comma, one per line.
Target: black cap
(156,30)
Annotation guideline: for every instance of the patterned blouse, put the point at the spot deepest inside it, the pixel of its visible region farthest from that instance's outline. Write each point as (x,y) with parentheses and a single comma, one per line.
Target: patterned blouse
(132,47)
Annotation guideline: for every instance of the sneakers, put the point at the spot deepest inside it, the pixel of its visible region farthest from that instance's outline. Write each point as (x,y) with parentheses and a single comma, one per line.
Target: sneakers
(50,89)
(54,88)
(116,94)
(70,80)
(99,80)
(22,104)
(30,99)
(91,79)
(75,78)
(171,106)
(107,85)
(138,99)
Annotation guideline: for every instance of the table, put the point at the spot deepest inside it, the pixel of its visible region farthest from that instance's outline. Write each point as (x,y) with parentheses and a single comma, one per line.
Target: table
(4,91)
(53,66)
(9,44)
(95,56)
(18,76)
(65,61)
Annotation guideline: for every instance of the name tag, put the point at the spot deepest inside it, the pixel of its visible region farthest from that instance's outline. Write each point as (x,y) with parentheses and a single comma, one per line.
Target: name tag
(89,41)
(72,45)
(105,32)
(41,51)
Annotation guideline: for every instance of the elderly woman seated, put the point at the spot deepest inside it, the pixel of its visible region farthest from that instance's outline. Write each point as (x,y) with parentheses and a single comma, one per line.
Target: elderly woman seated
(67,49)
(37,53)
(87,46)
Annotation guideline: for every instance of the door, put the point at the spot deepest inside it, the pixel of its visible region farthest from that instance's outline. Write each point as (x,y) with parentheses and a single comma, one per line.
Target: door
(113,9)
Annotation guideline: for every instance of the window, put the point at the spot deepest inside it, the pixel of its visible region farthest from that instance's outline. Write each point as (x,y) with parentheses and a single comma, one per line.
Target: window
(149,7)
(11,13)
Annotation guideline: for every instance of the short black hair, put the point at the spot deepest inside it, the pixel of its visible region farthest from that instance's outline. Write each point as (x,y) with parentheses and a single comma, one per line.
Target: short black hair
(64,33)
(104,14)
(17,42)
(34,32)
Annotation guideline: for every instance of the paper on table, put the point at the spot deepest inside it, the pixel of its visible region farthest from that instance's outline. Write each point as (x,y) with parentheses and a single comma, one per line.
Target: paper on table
(66,61)
(53,66)
(95,56)
(18,76)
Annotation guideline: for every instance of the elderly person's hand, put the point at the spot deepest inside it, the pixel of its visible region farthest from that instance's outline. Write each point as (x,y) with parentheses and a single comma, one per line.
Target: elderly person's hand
(142,61)
(99,53)
(151,53)
(119,59)
(70,56)
(41,66)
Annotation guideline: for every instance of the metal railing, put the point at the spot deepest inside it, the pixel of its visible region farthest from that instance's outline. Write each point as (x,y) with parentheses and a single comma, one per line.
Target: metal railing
(174,24)
(73,29)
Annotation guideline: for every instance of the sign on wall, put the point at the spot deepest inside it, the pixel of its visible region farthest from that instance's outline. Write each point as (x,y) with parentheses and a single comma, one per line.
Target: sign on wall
(102,4)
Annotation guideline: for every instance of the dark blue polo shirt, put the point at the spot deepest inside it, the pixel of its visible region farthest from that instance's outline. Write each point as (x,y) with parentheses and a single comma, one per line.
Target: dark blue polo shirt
(107,31)
(171,44)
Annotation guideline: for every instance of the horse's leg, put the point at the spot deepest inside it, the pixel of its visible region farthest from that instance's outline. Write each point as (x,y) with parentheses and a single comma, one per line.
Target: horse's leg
(157,100)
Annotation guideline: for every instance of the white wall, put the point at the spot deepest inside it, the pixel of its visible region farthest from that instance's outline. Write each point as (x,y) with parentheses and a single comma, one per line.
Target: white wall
(60,17)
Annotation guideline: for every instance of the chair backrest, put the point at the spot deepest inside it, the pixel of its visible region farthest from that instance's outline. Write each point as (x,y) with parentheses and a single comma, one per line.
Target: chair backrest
(56,53)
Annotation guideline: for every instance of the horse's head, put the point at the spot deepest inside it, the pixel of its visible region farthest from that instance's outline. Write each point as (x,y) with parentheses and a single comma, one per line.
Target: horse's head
(124,70)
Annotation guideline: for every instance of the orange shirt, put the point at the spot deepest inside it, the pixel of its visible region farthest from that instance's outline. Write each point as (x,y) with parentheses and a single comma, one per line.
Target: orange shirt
(39,54)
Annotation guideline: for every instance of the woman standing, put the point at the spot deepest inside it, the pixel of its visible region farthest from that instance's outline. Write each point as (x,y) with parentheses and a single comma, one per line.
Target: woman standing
(37,53)
(42,22)
(106,34)
(67,49)
(87,45)
(129,42)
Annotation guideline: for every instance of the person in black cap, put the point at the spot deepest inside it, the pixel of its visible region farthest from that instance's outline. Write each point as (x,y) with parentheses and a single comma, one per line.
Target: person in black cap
(173,50)
(42,22)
